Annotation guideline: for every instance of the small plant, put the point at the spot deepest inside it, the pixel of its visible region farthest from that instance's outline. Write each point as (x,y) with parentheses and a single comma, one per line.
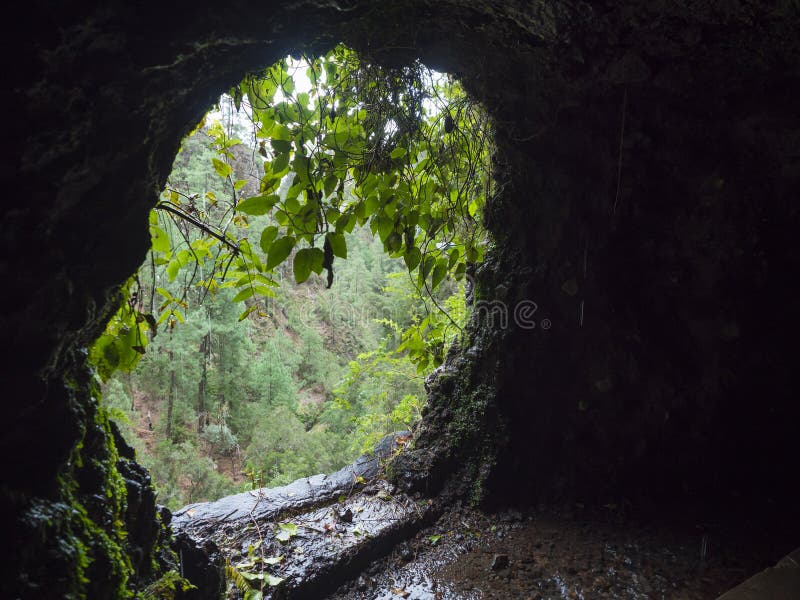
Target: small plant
(286,531)
(250,577)
(168,586)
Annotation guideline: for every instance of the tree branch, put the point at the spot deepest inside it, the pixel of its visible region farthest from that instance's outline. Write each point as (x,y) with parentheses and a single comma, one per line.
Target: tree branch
(165,206)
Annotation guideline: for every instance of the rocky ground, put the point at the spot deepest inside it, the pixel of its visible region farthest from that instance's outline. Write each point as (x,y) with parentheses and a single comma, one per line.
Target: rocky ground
(353,526)
(571,552)
(302,540)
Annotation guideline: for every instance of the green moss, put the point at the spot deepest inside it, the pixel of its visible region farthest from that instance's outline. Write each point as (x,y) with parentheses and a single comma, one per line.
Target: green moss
(80,537)
(474,434)
(469,413)
(95,532)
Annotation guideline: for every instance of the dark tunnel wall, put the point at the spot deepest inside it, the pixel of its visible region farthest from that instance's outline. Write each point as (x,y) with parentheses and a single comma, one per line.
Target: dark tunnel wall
(649,166)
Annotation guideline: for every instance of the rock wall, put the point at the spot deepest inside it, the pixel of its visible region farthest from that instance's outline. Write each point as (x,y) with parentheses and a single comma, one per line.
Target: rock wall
(647,155)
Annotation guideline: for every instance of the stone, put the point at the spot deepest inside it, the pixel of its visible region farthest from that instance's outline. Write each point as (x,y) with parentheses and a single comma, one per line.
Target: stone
(499,561)
(334,535)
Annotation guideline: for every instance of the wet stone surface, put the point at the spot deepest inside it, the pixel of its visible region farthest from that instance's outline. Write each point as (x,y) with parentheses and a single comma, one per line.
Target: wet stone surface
(567,553)
(204,519)
(303,540)
(294,541)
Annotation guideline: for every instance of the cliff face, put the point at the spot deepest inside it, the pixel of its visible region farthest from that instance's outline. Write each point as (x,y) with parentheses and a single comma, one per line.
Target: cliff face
(648,156)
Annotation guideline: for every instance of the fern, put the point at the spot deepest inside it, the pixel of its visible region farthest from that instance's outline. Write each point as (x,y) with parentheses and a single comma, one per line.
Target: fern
(234,575)
(166,587)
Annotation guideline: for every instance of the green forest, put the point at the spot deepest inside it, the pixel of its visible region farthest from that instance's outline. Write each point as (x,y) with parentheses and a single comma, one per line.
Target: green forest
(268,399)
(307,272)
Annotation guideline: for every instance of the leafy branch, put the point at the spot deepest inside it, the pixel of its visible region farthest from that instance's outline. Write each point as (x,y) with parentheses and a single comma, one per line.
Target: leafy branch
(343,142)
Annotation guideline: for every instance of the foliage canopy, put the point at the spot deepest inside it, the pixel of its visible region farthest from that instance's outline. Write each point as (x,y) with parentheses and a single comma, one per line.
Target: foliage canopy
(344,143)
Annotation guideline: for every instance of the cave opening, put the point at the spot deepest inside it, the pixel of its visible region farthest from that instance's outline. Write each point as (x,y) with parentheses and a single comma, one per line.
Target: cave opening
(657,235)
(232,364)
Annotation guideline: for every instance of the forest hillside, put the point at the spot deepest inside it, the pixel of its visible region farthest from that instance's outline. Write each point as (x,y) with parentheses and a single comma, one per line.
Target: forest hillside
(301,382)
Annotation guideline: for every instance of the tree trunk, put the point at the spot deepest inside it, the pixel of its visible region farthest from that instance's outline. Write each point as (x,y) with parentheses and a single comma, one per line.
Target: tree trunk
(205,350)
(171,394)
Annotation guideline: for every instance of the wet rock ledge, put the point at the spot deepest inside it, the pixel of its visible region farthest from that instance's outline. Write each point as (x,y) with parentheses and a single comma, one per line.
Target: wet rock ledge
(300,540)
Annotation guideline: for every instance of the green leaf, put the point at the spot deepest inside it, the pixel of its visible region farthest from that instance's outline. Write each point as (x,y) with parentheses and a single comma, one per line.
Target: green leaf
(302,99)
(455,254)
(300,166)
(439,272)
(460,271)
(253,595)
(279,250)
(394,241)
(338,244)
(236,93)
(281,161)
(371,205)
(183,257)
(267,237)
(250,576)
(412,258)
(281,146)
(111,352)
(398,152)
(342,221)
(427,265)
(160,239)
(383,225)
(222,169)
(291,528)
(272,580)
(268,184)
(292,204)
(244,294)
(173,268)
(244,315)
(281,133)
(331,181)
(332,214)
(306,261)
(286,531)
(390,208)
(264,291)
(257,205)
